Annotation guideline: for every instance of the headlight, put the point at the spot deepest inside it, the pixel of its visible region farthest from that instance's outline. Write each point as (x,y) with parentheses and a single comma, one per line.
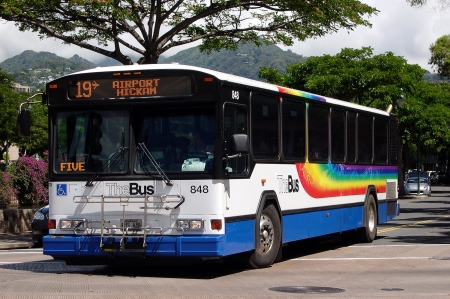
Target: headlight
(39,216)
(194,224)
(70,224)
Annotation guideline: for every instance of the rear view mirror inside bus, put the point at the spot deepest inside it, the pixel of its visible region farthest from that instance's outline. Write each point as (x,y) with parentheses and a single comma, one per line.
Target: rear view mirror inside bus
(24,123)
(239,144)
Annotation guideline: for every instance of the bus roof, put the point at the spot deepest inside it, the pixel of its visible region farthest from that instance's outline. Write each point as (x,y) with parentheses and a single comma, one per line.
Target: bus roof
(232,79)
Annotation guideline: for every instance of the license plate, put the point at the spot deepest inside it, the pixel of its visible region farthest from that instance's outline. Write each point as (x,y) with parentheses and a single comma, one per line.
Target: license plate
(130,224)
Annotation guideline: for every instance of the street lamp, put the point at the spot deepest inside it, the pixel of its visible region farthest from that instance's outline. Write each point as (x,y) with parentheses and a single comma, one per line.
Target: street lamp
(400,103)
(401,100)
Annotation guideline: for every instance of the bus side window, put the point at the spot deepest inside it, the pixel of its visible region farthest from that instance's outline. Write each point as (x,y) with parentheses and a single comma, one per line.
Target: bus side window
(294,129)
(235,122)
(381,140)
(337,135)
(264,118)
(317,132)
(365,147)
(351,137)
(393,127)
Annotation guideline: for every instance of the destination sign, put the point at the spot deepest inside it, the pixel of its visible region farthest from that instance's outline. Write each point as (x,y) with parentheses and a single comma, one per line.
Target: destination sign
(139,87)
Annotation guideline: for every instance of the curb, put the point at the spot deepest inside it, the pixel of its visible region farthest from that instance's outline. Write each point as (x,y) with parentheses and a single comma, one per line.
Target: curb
(413,197)
(16,241)
(16,245)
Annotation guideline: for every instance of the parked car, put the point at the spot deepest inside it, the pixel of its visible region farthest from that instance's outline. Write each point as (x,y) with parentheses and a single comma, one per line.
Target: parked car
(411,185)
(39,225)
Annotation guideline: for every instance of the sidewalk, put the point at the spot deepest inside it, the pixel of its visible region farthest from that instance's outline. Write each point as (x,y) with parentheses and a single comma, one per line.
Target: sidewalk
(16,241)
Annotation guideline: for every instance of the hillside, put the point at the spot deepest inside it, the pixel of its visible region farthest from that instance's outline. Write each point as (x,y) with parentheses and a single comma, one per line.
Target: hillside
(40,60)
(36,68)
(245,62)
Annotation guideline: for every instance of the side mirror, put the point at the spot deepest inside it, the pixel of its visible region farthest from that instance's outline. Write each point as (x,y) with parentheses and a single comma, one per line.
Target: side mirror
(24,123)
(239,144)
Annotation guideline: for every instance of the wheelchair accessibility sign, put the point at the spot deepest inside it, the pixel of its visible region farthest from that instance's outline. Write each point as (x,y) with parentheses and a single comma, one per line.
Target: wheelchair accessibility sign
(61,189)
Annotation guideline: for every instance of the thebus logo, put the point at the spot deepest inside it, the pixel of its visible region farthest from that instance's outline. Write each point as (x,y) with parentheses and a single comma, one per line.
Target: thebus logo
(131,189)
(288,185)
(135,189)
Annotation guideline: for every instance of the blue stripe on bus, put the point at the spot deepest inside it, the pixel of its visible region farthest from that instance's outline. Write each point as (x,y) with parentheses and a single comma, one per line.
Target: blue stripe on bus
(318,223)
(239,237)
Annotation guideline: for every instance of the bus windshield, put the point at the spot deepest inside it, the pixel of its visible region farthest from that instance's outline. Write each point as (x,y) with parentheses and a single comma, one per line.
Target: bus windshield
(92,141)
(177,139)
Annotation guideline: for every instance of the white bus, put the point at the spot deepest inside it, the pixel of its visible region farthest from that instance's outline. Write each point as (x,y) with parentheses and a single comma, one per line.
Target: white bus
(171,161)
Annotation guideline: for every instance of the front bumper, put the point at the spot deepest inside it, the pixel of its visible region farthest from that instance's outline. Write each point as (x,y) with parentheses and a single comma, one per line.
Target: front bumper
(182,246)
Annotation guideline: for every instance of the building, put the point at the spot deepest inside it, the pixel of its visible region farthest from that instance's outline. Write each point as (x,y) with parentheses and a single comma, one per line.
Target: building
(20,88)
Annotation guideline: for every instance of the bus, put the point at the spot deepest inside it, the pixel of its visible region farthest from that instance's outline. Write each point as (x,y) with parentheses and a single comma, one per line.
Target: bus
(152,162)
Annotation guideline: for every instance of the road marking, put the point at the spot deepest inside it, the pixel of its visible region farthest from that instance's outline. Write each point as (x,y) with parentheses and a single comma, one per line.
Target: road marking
(36,262)
(389,229)
(361,258)
(12,251)
(398,245)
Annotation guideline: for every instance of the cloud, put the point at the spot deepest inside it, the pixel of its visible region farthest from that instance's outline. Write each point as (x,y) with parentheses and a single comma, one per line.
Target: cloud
(398,28)
(13,42)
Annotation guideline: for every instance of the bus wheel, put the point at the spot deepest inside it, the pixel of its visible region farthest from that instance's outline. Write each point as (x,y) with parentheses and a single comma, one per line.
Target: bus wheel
(368,233)
(269,239)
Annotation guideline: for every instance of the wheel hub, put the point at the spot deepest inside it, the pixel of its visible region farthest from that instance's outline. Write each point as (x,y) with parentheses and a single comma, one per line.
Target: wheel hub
(266,234)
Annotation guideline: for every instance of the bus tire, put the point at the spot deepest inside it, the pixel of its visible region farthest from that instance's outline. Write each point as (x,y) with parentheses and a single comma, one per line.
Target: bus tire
(269,244)
(368,233)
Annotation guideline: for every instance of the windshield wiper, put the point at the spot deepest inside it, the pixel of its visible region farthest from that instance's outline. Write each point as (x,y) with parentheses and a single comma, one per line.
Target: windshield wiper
(112,161)
(155,164)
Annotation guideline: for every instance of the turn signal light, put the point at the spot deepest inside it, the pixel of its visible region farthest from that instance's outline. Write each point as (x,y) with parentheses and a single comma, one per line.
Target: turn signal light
(216,224)
(51,223)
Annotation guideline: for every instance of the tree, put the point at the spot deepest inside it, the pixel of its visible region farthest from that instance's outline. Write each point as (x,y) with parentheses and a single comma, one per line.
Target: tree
(442,3)
(424,121)
(440,55)
(353,75)
(150,28)
(8,111)
(9,107)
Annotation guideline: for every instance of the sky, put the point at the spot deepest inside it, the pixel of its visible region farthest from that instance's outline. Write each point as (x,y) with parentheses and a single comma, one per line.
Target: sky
(398,28)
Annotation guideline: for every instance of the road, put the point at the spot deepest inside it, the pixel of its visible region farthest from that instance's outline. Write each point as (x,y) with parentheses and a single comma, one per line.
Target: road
(409,259)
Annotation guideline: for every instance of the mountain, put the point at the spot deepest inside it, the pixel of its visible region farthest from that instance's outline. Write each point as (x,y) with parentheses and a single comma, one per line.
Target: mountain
(43,60)
(245,61)
(36,68)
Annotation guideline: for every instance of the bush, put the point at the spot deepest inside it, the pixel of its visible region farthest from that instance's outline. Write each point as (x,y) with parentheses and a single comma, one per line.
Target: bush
(7,191)
(30,178)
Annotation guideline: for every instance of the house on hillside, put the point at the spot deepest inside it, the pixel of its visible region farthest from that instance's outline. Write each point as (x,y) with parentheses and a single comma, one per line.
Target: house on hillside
(21,88)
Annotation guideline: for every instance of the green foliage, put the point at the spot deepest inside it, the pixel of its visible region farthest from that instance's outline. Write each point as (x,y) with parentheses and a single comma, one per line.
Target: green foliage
(9,106)
(107,26)
(353,75)
(30,178)
(245,61)
(426,117)
(37,143)
(7,191)
(440,56)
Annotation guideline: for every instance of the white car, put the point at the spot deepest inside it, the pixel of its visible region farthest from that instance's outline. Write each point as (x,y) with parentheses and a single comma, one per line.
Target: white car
(411,186)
